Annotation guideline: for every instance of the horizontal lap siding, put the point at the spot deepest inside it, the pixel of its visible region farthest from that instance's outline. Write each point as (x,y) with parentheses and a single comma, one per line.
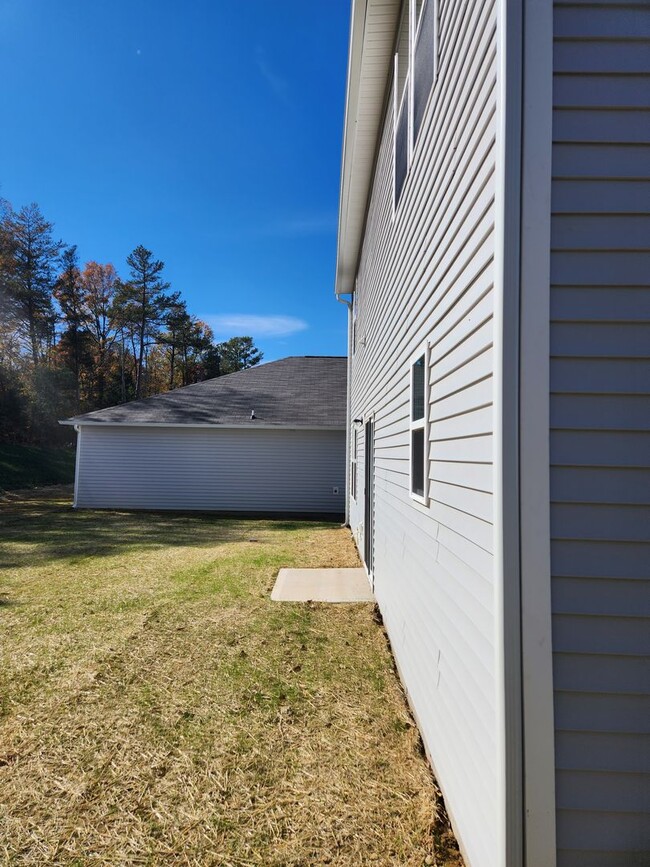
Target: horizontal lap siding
(600,431)
(207,469)
(426,277)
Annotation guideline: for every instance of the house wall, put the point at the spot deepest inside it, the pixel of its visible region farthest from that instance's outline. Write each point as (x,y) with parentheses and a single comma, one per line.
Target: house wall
(426,277)
(600,431)
(205,468)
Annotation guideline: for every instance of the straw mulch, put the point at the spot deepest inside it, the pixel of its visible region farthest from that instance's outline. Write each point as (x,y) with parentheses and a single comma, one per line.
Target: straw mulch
(157,708)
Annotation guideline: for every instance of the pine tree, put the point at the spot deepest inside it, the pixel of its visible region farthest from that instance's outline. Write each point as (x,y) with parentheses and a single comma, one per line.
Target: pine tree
(143,305)
(177,322)
(69,292)
(238,353)
(29,270)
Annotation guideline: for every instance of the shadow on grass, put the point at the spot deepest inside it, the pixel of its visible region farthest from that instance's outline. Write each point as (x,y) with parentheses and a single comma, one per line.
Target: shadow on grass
(53,530)
(6,602)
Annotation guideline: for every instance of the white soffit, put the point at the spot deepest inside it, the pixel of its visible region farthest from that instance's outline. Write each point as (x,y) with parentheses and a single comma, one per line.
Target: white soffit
(372,40)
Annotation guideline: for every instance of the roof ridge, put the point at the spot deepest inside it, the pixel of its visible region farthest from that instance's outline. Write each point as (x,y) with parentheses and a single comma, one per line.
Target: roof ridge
(281,395)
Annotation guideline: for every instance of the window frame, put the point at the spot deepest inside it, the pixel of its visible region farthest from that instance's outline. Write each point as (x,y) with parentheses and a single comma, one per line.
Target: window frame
(419,424)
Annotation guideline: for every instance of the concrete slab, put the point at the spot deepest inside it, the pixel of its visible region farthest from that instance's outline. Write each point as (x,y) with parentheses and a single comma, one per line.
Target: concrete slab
(322,585)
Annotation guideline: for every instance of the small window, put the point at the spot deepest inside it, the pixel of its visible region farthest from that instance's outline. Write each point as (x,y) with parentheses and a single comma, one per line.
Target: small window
(417,390)
(417,462)
(418,429)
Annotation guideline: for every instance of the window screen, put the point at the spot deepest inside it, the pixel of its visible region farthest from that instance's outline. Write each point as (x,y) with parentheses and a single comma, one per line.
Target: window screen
(424,63)
(417,461)
(417,394)
(401,148)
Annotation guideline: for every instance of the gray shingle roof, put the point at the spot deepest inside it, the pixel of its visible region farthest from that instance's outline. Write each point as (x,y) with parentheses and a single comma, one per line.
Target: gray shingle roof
(302,391)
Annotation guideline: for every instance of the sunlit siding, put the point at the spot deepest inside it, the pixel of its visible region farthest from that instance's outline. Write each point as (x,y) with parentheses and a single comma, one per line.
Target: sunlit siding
(600,431)
(204,468)
(426,278)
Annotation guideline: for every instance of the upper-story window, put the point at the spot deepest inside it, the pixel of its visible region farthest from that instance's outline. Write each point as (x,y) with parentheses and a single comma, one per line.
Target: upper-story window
(402,113)
(424,62)
(414,75)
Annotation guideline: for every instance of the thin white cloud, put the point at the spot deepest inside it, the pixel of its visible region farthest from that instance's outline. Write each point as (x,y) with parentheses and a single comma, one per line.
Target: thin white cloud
(243,324)
(303,225)
(278,85)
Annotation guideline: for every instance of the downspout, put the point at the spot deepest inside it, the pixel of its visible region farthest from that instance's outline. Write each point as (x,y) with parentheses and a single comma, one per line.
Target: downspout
(348,409)
(77,428)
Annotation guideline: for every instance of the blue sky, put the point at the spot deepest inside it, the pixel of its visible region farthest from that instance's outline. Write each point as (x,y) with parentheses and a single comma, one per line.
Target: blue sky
(209,131)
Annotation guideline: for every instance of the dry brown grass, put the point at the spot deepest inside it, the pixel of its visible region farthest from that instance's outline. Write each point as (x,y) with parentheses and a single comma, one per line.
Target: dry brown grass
(158,708)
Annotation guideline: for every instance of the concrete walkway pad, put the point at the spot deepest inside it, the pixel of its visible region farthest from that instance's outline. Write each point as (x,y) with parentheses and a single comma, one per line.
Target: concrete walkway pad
(322,585)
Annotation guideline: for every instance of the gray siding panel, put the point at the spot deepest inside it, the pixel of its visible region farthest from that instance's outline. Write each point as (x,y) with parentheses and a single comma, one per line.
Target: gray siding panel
(209,469)
(426,279)
(600,437)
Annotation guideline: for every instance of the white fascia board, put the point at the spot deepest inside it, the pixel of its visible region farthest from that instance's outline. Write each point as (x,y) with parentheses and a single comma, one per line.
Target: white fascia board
(506,543)
(105,424)
(345,280)
(357,166)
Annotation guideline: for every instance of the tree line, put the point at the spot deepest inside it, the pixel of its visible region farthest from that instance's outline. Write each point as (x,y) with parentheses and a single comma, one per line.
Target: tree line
(74,338)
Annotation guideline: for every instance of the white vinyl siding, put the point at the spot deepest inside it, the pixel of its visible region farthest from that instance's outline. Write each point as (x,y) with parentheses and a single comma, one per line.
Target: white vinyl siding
(425,279)
(281,471)
(600,431)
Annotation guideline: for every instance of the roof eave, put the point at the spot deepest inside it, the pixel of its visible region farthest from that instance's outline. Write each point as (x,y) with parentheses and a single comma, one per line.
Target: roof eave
(215,425)
(360,135)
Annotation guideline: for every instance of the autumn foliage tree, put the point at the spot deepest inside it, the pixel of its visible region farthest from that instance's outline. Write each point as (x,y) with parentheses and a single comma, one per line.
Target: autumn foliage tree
(99,284)
(76,338)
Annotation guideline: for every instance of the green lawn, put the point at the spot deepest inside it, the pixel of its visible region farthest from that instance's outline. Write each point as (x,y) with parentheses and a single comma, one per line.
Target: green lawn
(158,708)
(31,466)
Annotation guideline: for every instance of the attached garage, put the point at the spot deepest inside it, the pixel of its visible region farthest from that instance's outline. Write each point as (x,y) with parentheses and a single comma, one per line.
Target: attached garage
(265,441)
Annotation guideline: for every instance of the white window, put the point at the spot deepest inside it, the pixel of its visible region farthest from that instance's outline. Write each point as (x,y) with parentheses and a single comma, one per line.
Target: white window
(419,445)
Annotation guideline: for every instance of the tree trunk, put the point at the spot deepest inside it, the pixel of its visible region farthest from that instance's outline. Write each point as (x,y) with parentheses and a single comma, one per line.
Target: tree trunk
(143,326)
(171,367)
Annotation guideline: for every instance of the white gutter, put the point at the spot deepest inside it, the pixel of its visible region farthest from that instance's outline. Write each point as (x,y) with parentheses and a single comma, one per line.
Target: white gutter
(355,53)
(361,131)
(76,423)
